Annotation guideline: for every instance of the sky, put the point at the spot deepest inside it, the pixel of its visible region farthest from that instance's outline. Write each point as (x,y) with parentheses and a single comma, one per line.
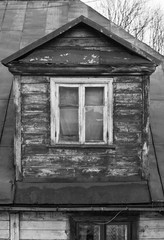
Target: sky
(96,5)
(156,3)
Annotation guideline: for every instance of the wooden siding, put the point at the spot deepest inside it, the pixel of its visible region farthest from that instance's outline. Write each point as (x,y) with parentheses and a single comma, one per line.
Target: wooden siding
(82,45)
(151,227)
(56,225)
(4,226)
(44,225)
(41,161)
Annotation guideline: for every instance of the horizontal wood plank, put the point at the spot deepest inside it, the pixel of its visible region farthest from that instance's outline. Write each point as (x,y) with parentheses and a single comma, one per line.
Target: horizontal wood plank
(44,225)
(43,216)
(43,234)
(4,225)
(4,216)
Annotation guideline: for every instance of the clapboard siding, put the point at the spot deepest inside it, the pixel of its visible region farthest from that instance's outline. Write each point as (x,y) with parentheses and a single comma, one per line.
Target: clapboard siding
(39,161)
(151,227)
(56,225)
(42,225)
(82,45)
(4,225)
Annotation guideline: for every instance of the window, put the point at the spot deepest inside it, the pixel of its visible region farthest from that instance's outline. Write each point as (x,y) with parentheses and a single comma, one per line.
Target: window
(100,231)
(103,227)
(81,111)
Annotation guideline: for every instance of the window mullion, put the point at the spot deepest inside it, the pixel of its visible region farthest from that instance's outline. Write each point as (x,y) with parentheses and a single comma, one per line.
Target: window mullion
(53,113)
(110,112)
(57,112)
(105,116)
(82,114)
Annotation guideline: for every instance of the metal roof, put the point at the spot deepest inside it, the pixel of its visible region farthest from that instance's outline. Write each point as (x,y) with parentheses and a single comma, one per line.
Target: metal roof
(21,23)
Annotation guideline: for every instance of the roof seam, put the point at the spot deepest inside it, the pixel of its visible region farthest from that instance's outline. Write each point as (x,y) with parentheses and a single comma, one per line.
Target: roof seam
(5,117)
(4,15)
(156,159)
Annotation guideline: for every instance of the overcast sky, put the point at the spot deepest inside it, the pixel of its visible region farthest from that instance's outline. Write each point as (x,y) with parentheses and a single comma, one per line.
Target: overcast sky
(96,5)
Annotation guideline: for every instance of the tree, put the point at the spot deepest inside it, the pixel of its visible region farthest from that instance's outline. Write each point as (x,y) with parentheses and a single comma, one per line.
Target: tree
(137,18)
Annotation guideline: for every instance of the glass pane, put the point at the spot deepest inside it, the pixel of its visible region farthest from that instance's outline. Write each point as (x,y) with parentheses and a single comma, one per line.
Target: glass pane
(116,232)
(68,96)
(89,232)
(94,123)
(69,124)
(94,96)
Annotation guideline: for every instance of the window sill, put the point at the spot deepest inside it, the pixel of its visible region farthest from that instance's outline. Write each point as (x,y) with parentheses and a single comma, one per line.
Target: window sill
(83,146)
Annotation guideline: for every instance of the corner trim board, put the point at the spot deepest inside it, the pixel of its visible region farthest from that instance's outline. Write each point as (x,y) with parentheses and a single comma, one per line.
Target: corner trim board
(17,135)
(14,226)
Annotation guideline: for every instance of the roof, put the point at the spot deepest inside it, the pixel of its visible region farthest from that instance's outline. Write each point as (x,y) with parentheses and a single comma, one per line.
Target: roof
(23,22)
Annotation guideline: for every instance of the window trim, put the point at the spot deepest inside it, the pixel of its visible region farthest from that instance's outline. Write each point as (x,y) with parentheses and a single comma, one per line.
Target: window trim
(81,82)
(124,219)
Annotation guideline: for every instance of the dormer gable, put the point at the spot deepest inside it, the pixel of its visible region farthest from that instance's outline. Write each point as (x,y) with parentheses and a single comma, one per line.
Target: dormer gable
(83,43)
(81,96)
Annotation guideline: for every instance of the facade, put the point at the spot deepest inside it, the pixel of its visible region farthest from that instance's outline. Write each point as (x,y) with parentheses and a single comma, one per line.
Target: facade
(80,166)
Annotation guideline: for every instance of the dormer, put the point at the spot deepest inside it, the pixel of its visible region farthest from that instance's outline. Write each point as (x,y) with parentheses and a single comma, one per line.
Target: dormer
(82,108)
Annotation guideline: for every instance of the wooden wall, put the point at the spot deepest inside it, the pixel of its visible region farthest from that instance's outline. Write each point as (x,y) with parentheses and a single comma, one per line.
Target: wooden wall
(53,225)
(151,226)
(41,161)
(83,46)
(4,225)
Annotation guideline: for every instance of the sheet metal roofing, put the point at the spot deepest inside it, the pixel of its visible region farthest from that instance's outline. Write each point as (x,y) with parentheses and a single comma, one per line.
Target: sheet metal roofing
(23,22)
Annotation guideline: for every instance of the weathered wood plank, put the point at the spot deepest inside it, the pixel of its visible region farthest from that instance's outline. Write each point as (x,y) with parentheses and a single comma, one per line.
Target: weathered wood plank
(4,216)
(125,98)
(44,225)
(35,139)
(34,99)
(35,79)
(4,225)
(128,87)
(43,216)
(35,88)
(4,234)
(42,234)
(14,226)
(82,69)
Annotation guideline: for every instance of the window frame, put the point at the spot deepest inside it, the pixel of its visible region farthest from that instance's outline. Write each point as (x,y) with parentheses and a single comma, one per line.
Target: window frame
(81,83)
(131,221)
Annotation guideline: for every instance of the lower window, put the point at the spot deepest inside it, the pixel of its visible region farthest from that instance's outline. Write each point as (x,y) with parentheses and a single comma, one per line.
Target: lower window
(114,231)
(104,227)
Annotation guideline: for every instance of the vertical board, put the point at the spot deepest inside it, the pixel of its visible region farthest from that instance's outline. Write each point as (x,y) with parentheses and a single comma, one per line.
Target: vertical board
(17,137)
(14,226)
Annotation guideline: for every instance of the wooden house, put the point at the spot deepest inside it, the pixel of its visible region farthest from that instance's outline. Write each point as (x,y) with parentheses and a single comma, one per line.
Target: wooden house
(85,163)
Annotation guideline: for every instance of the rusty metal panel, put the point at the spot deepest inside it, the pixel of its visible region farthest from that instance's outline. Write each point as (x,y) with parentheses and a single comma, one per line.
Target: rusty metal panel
(57,15)
(9,42)
(155,184)
(157,84)
(77,9)
(3,5)
(14,16)
(65,193)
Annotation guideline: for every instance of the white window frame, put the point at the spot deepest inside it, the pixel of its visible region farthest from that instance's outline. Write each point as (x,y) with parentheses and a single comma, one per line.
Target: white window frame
(81,83)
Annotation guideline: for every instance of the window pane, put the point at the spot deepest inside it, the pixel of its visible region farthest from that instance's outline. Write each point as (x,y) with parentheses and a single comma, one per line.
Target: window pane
(69,124)
(116,232)
(68,96)
(94,96)
(89,232)
(94,123)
